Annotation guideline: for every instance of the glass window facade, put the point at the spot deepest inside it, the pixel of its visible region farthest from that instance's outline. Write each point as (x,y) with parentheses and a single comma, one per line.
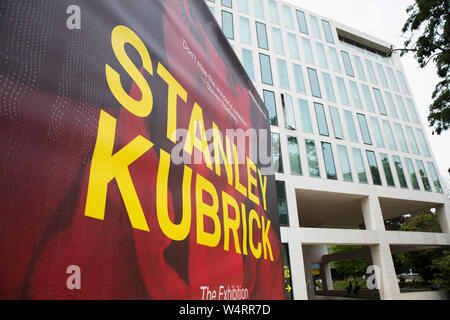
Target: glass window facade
(227,24)
(266,69)
(329,90)
(377,132)
(423,175)
(307,51)
(227,3)
(402,108)
(380,101)
(392,79)
(342,91)
(372,76)
(387,169)
(327,30)
(337,125)
(321,119)
(287,15)
(412,111)
(434,177)
(412,140)
(273,12)
(243,6)
(301,20)
(372,159)
(299,80)
(345,164)
(293,47)
(382,76)
(334,59)
(315,28)
(412,174)
(423,142)
(294,156)
(258,8)
(283,74)
(347,64)
(401,137)
(282,203)
(359,165)
(351,129)
(321,55)
(400,172)
(276,153)
(403,84)
(261,35)
(305,116)
(329,161)
(277,41)
(244,28)
(314,83)
(357,103)
(359,68)
(269,101)
(364,129)
(247,62)
(391,105)
(313,163)
(288,108)
(389,135)
(368,98)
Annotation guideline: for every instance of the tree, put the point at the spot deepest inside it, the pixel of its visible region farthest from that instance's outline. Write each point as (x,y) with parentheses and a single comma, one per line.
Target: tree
(442,264)
(421,261)
(430,18)
(348,267)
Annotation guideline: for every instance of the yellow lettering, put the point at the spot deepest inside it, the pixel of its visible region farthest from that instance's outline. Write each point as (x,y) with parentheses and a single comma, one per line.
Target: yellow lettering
(263,183)
(244,229)
(175,232)
(230,224)
(119,37)
(219,152)
(175,90)
(254,216)
(106,166)
(203,209)
(265,239)
(192,140)
(252,182)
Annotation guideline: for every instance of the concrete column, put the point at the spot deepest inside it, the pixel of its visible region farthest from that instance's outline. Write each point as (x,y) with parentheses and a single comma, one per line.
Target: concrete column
(325,275)
(443,214)
(382,258)
(373,217)
(329,277)
(299,285)
(291,199)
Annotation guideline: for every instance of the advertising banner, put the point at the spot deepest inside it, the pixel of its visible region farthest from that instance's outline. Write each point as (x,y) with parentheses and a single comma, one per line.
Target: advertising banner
(133,156)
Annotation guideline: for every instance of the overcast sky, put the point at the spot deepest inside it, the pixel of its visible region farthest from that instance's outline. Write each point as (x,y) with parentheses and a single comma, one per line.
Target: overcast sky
(384,19)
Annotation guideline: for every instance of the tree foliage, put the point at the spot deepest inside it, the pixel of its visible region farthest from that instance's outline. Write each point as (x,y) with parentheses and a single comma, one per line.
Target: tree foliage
(348,267)
(424,262)
(429,18)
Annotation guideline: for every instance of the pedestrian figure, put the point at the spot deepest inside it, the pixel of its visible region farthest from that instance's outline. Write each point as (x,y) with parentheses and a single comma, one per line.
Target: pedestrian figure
(349,287)
(357,287)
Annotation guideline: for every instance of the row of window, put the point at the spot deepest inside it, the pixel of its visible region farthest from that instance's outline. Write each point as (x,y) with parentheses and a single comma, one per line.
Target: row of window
(278,47)
(327,152)
(396,108)
(346,169)
(286,17)
(382,135)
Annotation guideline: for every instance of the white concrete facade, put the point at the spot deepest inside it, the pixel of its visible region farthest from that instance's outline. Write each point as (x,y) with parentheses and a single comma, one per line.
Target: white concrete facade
(340,185)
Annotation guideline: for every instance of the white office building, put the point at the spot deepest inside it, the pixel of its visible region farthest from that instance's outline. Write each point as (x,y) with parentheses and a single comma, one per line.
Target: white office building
(349,148)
